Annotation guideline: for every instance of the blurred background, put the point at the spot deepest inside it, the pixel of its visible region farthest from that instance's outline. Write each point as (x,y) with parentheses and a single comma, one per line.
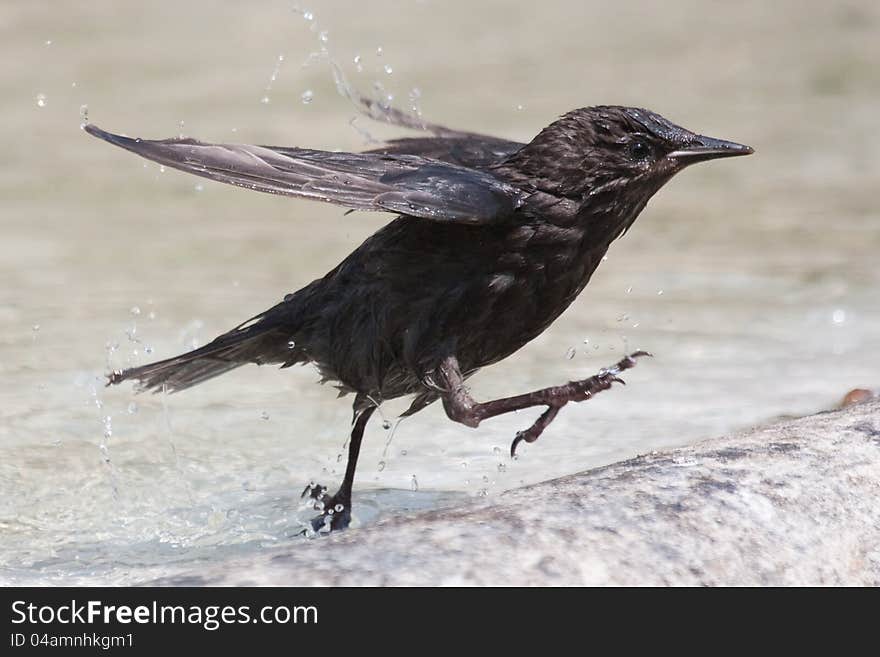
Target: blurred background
(753,281)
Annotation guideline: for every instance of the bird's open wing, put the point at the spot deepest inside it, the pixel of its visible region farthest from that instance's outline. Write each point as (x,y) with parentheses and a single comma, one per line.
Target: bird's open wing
(476,151)
(405,184)
(467,149)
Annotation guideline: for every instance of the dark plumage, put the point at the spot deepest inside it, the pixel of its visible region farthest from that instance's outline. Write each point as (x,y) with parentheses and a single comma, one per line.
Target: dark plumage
(494,239)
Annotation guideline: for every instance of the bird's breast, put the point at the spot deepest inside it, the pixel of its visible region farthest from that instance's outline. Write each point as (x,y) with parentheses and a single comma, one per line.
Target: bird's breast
(534,278)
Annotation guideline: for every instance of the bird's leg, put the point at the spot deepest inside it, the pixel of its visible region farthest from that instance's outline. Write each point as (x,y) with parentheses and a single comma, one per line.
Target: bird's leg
(461,407)
(337,509)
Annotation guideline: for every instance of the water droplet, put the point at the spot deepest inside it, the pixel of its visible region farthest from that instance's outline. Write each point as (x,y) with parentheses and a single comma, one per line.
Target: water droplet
(414,484)
(623,317)
(309,16)
(386,424)
(199,187)
(381,465)
(502,467)
(485,479)
(482,493)
(307,96)
(604,258)
(636,325)
(464,464)
(41,100)
(48,42)
(379,51)
(324,37)
(161,168)
(519,108)
(838,316)
(403,452)
(132,408)
(84,113)
(152,314)
(387,68)
(586,340)
(496,450)
(264,100)
(291,344)
(35,328)
(629,289)
(264,415)
(108,426)
(135,310)
(338,508)
(570,353)
(659,293)
(357,64)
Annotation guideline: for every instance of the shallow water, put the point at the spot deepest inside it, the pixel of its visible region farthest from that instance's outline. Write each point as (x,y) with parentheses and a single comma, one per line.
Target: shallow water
(754,281)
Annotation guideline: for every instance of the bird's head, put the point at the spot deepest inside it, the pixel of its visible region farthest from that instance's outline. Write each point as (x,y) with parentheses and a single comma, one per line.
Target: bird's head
(612,154)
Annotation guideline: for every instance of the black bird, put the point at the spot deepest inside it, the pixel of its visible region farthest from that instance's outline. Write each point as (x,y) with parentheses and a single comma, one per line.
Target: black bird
(493,240)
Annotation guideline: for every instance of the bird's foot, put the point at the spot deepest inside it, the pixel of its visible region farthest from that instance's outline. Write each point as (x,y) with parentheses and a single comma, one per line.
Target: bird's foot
(335,510)
(584,389)
(576,391)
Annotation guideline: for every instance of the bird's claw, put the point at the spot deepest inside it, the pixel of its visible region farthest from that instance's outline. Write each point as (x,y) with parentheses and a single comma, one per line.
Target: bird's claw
(576,391)
(630,360)
(335,516)
(517,439)
(335,511)
(315,491)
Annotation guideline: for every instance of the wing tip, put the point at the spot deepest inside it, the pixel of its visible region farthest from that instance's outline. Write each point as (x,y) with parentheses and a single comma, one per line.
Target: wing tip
(118,140)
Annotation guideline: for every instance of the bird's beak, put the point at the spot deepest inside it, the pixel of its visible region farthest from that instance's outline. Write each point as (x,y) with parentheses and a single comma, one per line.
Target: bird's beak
(708,148)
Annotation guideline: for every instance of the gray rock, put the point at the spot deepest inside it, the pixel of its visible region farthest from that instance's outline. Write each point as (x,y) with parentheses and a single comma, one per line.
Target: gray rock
(791,504)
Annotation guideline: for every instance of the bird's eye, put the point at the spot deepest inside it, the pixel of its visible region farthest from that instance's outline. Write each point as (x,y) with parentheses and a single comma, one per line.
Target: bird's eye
(639,149)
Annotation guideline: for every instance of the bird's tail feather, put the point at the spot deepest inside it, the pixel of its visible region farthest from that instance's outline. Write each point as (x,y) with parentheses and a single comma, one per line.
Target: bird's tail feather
(253,343)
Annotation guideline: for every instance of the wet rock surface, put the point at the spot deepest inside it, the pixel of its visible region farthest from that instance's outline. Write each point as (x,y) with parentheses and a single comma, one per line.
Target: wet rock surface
(791,504)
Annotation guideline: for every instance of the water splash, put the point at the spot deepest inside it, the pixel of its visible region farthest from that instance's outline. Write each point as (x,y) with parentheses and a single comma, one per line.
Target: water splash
(276,71)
